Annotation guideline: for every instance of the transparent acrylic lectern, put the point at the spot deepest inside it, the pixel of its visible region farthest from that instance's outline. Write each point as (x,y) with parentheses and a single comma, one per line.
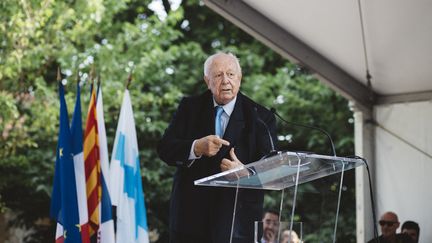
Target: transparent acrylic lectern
(280,171)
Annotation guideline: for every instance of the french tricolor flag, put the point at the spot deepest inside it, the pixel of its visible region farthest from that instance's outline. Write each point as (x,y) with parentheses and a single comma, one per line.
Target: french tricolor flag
(106,229)
(78,158)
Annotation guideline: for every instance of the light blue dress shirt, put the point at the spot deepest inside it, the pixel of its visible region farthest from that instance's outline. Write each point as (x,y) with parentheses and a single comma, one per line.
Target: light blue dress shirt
(228,109)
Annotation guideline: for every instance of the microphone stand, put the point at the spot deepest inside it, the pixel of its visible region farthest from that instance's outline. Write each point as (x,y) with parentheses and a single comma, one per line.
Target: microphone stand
(273,110)
(272,151)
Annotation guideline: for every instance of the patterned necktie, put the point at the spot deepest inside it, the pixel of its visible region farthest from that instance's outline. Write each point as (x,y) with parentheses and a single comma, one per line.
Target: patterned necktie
(218,121)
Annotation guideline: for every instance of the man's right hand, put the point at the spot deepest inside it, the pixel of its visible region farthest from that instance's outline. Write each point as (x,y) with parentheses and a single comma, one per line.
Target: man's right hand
(209,145)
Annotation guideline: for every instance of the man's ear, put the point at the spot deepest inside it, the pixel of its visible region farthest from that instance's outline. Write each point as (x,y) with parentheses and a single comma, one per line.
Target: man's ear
(206,79)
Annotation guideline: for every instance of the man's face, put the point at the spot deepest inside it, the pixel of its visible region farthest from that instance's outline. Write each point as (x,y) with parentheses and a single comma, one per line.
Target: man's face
(270,226)
(412,233)
(389,224)
(223,78)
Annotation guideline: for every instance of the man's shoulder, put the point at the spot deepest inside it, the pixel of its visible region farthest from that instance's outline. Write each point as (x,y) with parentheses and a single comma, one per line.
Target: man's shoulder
(404,238)
(246,101)
(400,238)
(375,240)
(196,99)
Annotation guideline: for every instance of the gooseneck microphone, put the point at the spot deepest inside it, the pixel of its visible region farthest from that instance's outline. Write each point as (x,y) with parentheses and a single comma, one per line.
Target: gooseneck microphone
(272,151)
(273,110)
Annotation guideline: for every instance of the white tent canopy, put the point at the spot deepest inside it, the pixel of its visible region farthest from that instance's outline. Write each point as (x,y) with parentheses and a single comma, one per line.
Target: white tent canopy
(327,37)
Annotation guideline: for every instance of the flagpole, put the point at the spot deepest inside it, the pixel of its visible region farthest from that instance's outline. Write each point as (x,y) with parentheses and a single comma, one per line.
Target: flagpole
(91,76)
(92,73)
(78,78)
(129,80)
(58,74)
(98,80)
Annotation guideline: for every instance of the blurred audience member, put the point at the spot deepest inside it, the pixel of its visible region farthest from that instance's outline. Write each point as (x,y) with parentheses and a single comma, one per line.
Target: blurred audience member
(270,226)
(286,234)
(412,229)
(389,223)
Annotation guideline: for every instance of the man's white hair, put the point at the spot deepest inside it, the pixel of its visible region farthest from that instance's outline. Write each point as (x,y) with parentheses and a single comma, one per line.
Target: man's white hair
(208,62)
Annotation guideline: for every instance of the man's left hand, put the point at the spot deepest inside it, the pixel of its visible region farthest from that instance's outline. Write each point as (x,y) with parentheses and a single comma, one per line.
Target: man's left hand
(227,164)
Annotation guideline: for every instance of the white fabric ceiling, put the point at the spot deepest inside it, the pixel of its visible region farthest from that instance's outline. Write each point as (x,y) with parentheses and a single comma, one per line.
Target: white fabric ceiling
(398,35)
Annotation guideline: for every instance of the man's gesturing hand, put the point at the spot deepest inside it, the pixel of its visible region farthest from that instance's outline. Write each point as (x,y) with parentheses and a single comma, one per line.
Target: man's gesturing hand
(209,145)
(227,164)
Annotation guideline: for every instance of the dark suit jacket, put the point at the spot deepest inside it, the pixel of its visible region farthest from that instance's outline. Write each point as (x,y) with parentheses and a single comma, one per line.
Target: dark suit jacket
(207,211)
(400,238)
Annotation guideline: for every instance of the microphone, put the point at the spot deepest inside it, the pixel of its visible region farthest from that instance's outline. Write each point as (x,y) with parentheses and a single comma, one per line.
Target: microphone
(272,151)
(273,110)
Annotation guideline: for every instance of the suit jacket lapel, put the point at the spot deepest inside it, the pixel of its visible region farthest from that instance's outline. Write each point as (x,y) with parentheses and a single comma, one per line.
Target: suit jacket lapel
(235,125)
(207,115)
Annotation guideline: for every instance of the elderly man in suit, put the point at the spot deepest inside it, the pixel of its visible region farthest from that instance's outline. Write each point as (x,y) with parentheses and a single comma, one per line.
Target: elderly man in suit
(216,131)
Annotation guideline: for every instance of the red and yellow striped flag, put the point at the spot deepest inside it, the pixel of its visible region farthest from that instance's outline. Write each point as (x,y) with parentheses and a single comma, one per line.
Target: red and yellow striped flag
(92,166)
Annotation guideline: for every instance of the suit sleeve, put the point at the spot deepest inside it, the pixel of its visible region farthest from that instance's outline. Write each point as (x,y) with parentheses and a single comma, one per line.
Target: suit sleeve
(174,146)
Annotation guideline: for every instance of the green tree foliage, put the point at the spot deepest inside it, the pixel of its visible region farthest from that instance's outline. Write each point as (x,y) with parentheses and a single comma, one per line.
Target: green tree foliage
(117,37)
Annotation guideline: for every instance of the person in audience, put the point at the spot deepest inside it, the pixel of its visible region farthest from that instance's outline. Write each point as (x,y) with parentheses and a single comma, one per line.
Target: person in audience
(412,229)
(270,226)
(289,237)
(389,223)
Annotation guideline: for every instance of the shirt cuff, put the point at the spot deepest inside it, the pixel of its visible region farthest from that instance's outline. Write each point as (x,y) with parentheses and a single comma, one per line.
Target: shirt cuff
(192,155)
